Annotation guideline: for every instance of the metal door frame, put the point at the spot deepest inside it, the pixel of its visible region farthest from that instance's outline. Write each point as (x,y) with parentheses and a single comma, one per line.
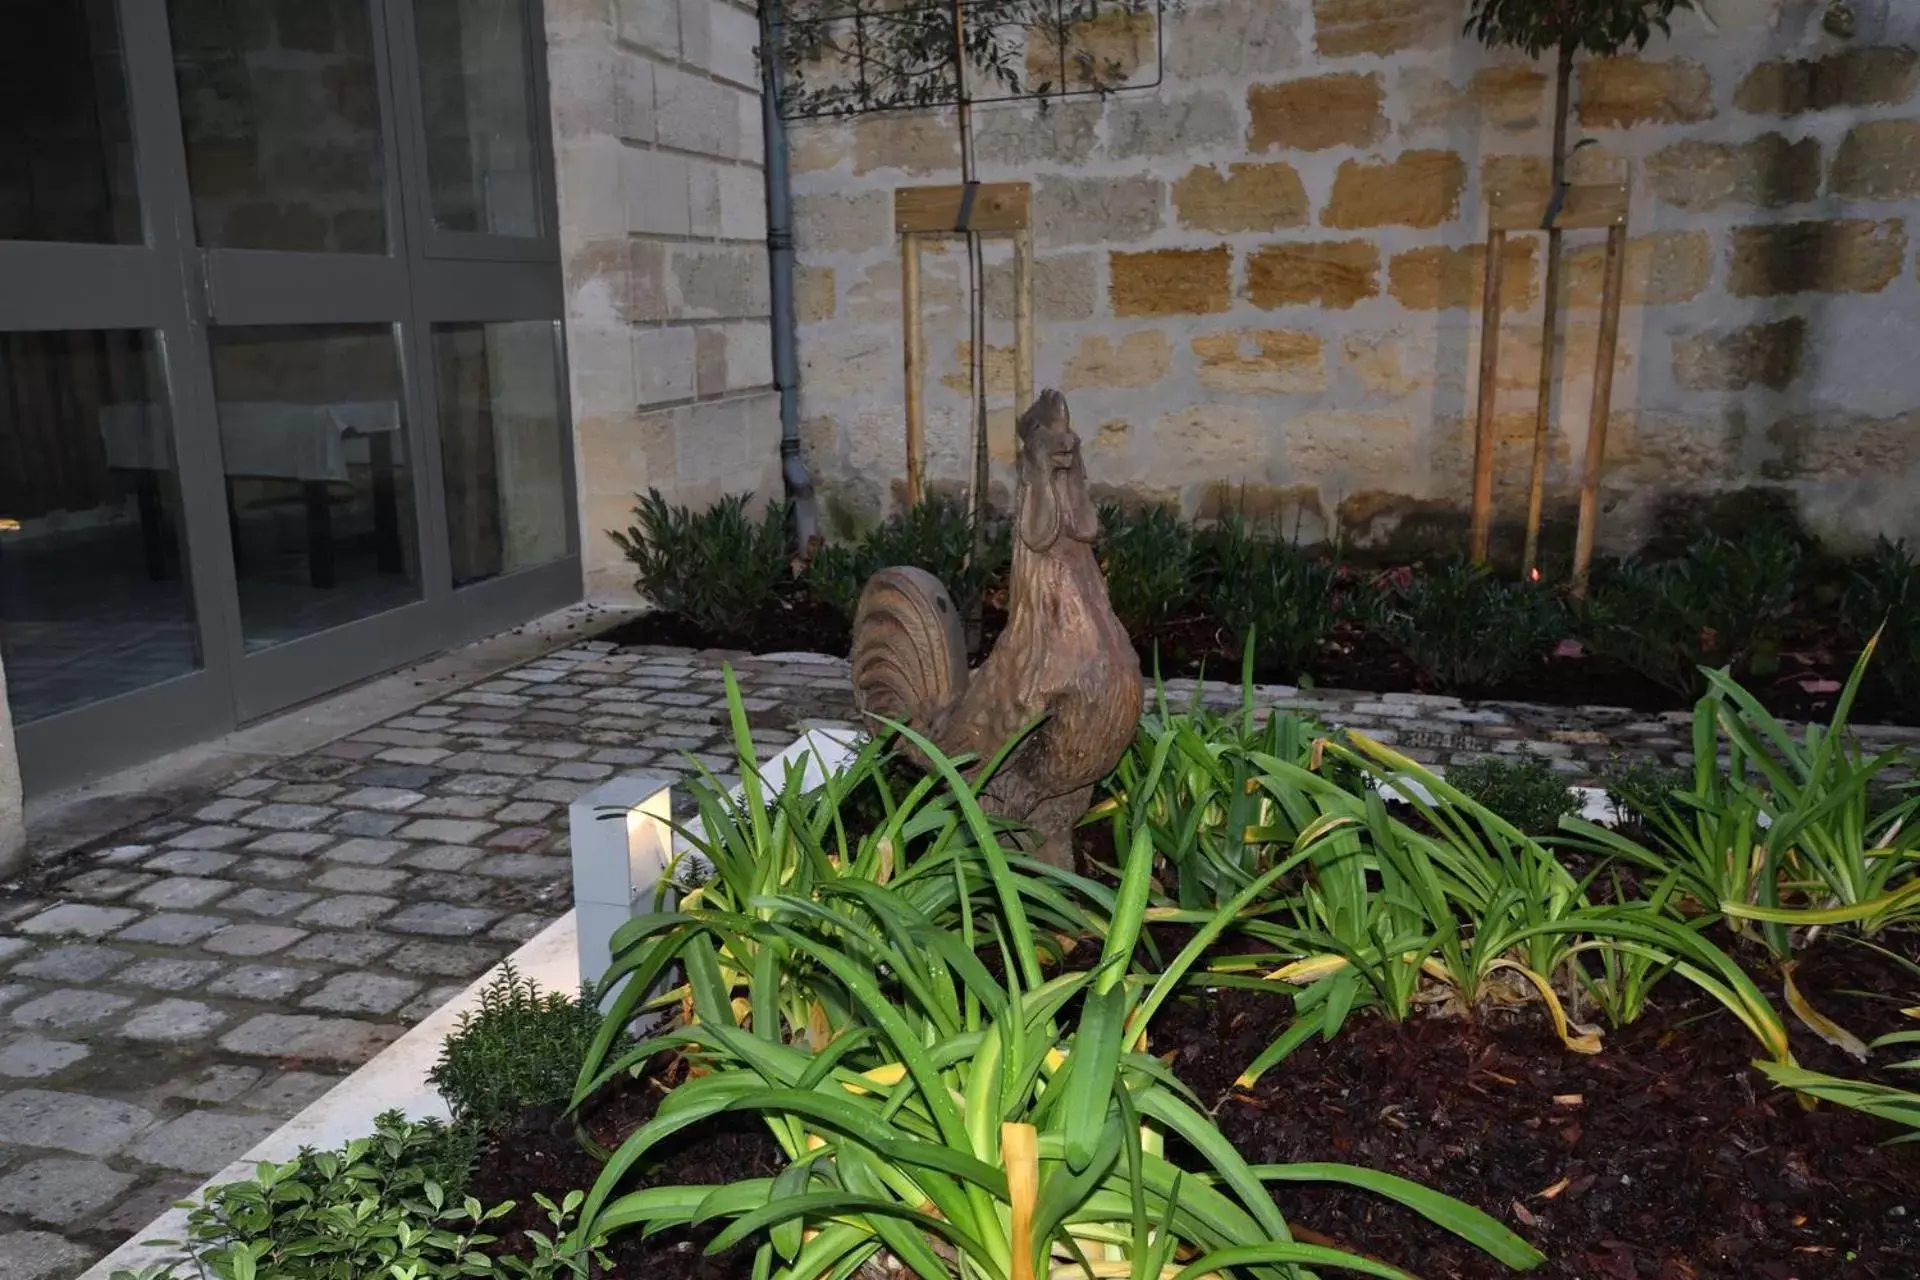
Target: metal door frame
(177,291)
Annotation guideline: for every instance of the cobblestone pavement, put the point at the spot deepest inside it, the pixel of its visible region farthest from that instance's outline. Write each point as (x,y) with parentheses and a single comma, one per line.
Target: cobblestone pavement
(170,996)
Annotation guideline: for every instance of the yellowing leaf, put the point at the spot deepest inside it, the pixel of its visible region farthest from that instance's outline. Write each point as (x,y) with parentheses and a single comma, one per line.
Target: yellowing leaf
(1308,971)
(1577,1037)
(1818,1023)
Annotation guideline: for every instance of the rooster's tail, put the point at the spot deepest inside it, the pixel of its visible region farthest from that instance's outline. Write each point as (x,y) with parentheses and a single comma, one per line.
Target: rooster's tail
(909,660)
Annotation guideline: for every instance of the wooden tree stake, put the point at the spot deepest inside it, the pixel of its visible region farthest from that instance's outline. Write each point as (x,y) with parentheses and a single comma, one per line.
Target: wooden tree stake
(1602,405)
(1483,436)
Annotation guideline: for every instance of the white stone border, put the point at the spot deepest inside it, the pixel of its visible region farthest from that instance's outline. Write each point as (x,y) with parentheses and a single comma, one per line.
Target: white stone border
(396,1077)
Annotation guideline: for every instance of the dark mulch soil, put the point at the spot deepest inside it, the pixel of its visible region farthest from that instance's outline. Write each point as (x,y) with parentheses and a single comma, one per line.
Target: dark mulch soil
(540,1153)
(1666,1157)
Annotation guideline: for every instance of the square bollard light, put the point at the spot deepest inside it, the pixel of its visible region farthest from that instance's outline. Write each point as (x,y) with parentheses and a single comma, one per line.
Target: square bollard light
(622,841)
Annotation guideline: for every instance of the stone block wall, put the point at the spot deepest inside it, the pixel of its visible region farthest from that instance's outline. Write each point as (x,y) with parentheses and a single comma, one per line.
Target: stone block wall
(1259,283)
(659,155)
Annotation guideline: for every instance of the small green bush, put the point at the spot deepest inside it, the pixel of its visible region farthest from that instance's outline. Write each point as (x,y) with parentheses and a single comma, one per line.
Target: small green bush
(717,568)
(936,534)
(1724,603)
(520,1049)
(1642,790)
(1884,597)
(1524,790)
(1148,560)
(1284,599)
(378,1207)
(1465,629)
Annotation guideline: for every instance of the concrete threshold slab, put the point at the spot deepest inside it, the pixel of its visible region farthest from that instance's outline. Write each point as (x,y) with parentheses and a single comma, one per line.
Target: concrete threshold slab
(62,821)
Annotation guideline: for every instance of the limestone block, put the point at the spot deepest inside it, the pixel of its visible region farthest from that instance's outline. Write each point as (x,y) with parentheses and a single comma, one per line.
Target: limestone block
(1615,93)
(717,281)
(1250,197)
(1139,359)
(1344,110)
(1766,172)
(657,185)
(1262,362)
(1015,135)
(1418,189)
(1849,255)
(1064,287)
(1334,274)
(1143,125)
(814,298)
(1879,160)
(1069,211)
(1167,282)
(695,114)
(653,25)
(1842,446)
(663,364)
(1344,28)
(1512,99)
(1233,38)
(1440,278)
(843,223)
(1767,355)
(916,143)
(1869,77)
(1341,448)
(1104,50)
(1196,443)
(1662,269)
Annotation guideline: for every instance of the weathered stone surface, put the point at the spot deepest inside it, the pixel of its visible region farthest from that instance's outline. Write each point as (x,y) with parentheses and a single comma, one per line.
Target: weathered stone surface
(1850,78)
(268,902)
(202,1141)
(1103,50)
(172,929)
(1189,436)
(1441,278)
(169,973)
(1844,446)
(1853,255)
(1879,160)
(1069,211)
(1615,93)
(289,1093)
(1389,364)
(1138,359)
(1232,38)
(1344,28)
(1064,288)
(443,959)
(1511,98)
(1344,110)
(69,1121)
(1662,269)
(173,1022)
(77,962)
(1335,274)
(1169,282)
(1157,126)
(69,1010)
(1455,443)
(1342,448)
(814,299)
(283,1035)
(1767,355)
(1767,172)
(1018,135)
(362,993)
(1419,189)
(842,223)
(40,1255)
(348,911)
(1251,197)
(31,1057)
(262,982)
(78,919)
(441,919)
(915,142)
(61,1191)
(1261,362)
(253,939)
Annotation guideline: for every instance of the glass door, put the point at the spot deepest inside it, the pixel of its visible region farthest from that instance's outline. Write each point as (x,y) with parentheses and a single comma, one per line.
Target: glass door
(280,365)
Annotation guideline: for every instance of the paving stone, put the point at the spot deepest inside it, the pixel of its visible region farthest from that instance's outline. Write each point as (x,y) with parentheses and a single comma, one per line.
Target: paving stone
(214,837)
(272,870)
(12,947)
(201,1141)
(483,784)
(299,1035)
(69,1122)
(78,919)
(289,1093)
(444,959)
(524,811)
(77,962)
(554,791)
(269,902)
(61,1191)
(263,981)
(248,787)
(307,793)
(221,1082)
(520,927)
(392,799)
(133,1211)
(621,757)
(525,866)
(492,762)
(172,929)
(405,777)
(362,993)
(288,817)
(413,755)
(32,1057)
(441,919)
(347,911)
(168,973)
(183,893)
(69,1010)
(580,771)
(344,948)
(448,830)
(253,939)
(193,862)
(106,883)
(40,1255)
(451,886)
(296,844)
(122,854)
(223,810)
(456,807)
(173,1022)
(366,852)
(360,879)
(344,755)
(442,857)
(365,822)
(428,1003)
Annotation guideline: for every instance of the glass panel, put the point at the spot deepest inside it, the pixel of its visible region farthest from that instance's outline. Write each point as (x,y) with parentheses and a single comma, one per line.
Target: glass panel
(282,120)
(501,447)
(66,142)
(319,491)
(94,598)
(474,84)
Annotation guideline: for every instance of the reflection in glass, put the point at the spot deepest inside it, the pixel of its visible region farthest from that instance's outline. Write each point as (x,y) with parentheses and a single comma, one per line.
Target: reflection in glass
(319,491)
(282,119)
(66,145)
(473,79)
(501,447)
(94,599)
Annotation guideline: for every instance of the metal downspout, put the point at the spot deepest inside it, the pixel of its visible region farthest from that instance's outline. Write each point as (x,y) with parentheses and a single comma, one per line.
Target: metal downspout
(786,364)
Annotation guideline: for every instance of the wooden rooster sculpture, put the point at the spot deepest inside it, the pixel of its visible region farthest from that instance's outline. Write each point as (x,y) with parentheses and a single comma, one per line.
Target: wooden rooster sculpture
(1063,660)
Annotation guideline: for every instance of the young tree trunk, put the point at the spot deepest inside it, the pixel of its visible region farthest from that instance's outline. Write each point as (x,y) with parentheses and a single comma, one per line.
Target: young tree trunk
(1549,325)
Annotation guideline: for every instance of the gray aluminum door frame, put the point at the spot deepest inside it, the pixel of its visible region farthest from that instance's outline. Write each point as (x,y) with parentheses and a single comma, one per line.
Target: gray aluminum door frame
(170,287)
